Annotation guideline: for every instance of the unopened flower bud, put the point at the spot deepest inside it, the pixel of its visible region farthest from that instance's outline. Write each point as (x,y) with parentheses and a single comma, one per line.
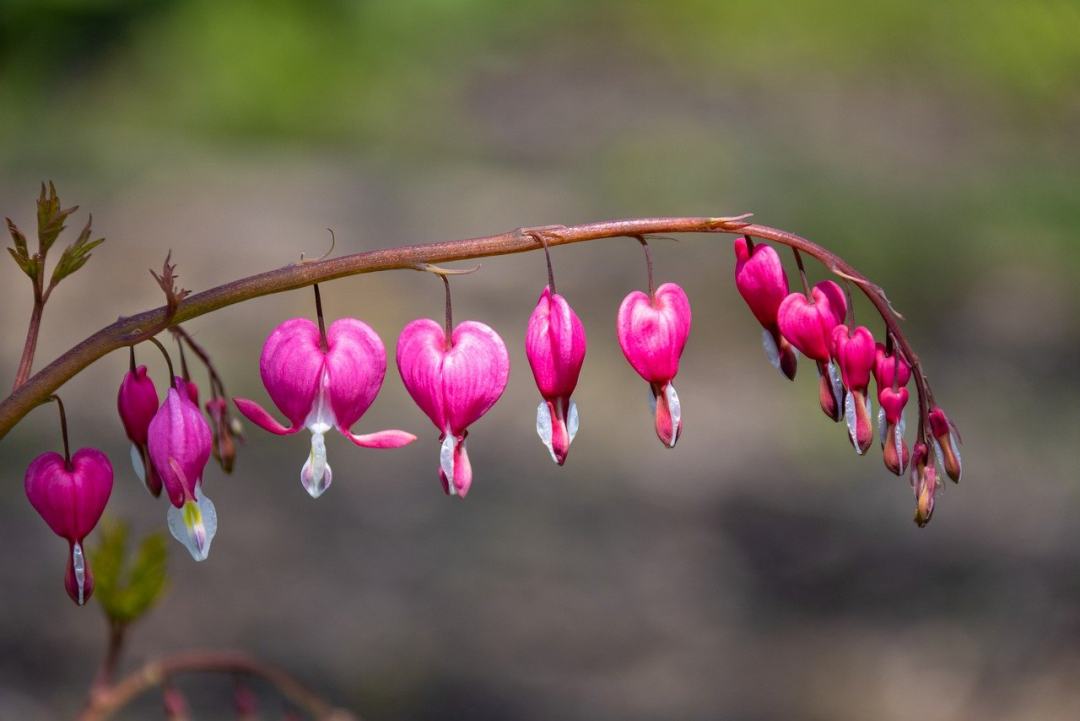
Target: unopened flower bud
(854,352)
(760,278)
(924,483)
(808,323)
(948,443)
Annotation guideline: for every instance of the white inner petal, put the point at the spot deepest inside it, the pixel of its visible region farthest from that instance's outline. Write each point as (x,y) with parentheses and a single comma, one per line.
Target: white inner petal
(321,417)
(78,562)
(836,382)
(446,461)
(852,421)
(898,438)
(543,427)
(956,450)
(316,475)
(137,464)
(194,525)
(572,421)
(882,425)
(771,351)
(652,403)
(675,409)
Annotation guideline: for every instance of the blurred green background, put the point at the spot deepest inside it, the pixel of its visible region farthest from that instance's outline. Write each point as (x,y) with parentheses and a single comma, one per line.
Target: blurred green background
(759,571)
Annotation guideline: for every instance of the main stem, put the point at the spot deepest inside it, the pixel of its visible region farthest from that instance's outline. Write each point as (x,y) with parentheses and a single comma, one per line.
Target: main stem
(26,362)
(136,328)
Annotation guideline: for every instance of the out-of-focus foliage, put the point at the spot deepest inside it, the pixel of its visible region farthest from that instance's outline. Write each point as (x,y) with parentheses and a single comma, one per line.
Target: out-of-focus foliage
(128,587)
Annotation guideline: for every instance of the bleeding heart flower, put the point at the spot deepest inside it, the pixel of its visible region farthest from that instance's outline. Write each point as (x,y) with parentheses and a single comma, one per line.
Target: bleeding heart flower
(760,278)
(455,379)
(652,334)
(320,388)
(179,444)
(137,402)
(924,483)
(71,497)
(947,442)
(555,347)
(855,354)
(808,323)
(892,374)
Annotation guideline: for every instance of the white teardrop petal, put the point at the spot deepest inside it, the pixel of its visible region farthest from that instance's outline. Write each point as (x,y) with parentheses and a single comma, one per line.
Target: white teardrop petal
(956,451)
(321,417)
(882,425)
(194,525)
(852,421)
(543,427)
(898,438)
(316,475)
(675,409)
(836,381)
(137,463)
(771,351)
(652,403)
(572,421)
(446,461)
(78,563)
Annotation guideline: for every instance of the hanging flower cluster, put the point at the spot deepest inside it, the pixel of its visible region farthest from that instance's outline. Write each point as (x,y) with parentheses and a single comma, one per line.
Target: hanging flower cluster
(814,322)
(325,378)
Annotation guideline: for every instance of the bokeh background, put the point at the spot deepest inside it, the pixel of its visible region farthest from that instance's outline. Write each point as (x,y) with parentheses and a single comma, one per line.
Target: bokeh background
(759,571)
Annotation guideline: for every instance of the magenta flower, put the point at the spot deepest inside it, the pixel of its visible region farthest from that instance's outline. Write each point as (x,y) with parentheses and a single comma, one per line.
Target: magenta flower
(808,323)
(652,334)
(455,379)
(322,387)
(555,346)
(892,374)
(947,442)
(179,444)
(855,354)
(71,497)
(137,402)
(760,278)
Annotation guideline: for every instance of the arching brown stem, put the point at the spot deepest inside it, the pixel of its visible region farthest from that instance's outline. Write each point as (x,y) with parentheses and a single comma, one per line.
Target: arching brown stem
(132,329)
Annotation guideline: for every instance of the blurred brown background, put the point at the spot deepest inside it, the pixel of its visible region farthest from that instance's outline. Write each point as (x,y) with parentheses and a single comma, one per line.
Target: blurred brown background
(759,571)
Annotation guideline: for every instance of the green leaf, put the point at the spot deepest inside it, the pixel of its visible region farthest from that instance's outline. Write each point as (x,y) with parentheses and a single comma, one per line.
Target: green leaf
(127,591)
(20,252)
(50,218)
(76,254)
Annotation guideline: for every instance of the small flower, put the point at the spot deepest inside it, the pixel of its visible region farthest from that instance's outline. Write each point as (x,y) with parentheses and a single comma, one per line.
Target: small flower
(322,387)
(71,497)
(808,323)
(947,442)
(760,278)
(137,402)
(179,444)
(555,347)
(924,483)
(892,374)
(855,354)
(225,436)
(455,379)
(652,333)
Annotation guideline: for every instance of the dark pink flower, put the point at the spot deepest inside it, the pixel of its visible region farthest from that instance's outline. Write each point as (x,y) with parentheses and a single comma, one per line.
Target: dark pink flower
(760,278)
(924,483)
(855,353)
(322,389)
(137,402)
(808,323)
(179,444)
(555,347)
(947,442)
(71,498)
(652,334)
(892,374)
(455,380)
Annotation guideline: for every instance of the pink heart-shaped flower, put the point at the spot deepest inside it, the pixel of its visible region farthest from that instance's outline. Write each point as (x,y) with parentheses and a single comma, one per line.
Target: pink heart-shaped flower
(808,324)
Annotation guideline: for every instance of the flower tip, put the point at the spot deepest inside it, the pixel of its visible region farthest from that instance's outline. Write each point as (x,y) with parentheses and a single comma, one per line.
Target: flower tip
(194,525)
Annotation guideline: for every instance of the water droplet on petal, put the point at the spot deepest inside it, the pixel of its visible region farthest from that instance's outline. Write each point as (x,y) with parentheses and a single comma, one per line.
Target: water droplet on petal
(446,460)
(194,525)
(78,562)
(572,421)
(771,351)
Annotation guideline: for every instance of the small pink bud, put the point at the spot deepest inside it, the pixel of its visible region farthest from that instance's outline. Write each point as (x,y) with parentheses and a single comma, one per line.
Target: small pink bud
(760,278)
(892,374)
(137,402)
(854,352)
(890,369)
(71,498)
(555,347)
(948,443)
(652,334)
(455,380)
(322,389)
(180,444)
(924,483)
